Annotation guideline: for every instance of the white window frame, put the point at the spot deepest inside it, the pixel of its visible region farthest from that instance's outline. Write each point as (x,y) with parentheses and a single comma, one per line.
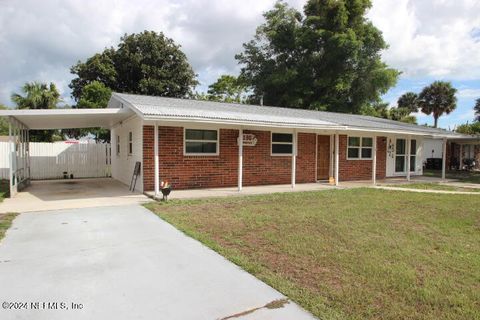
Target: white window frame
(197,154)
(130,143)
(360,147)
(117,151)
(289,143)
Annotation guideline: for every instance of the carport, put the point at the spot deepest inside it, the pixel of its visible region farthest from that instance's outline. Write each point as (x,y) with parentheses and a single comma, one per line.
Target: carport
(22,121)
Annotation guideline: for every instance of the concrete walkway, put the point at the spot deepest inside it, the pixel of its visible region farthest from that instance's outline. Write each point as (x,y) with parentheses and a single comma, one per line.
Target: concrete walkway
(426,190)
(229,192)
(71,194)
(123,263)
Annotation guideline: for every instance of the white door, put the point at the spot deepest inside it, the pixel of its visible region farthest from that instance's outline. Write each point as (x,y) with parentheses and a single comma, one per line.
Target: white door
(401,157)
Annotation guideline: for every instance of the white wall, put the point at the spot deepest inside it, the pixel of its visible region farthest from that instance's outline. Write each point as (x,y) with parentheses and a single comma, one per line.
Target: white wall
(124,163)
(435,145)
(4,163)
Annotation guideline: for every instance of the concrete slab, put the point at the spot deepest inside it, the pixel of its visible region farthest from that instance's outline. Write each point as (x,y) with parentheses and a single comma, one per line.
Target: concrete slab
(123,263)
(229,192)
(70,194)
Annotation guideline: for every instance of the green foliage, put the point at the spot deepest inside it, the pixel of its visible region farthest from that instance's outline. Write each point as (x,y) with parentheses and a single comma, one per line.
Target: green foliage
(408,101)
(469,128)
(437,99)
(94,95)
(3,123)
(327,59)
(38,95)
(227,88)
(382,110)
(145,63)
(477,109)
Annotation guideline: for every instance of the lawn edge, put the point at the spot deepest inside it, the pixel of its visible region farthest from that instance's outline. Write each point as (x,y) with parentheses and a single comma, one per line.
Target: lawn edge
(6,221)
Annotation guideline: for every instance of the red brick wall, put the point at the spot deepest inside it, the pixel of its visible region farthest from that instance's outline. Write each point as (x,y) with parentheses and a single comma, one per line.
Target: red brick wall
(361,169)
(259,166)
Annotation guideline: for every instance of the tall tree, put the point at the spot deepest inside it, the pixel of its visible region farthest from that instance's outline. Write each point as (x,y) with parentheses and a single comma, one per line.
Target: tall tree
(38,95)
(327,59)
(144,63)
(408,101)
(477,109)
(227,88)
(437,99)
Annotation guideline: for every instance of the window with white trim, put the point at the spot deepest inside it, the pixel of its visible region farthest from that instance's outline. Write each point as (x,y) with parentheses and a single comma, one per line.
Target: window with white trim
(359,148)
(282,143)
(201,142)
(118,145)
(130,143)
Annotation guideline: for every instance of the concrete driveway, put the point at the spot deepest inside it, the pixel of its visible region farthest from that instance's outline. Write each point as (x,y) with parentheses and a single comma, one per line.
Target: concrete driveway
(122,263)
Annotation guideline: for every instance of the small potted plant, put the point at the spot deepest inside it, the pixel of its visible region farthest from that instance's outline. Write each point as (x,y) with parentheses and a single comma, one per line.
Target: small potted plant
(166,188)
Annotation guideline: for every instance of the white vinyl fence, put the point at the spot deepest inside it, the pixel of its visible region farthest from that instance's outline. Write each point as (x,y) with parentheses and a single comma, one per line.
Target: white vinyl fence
(54,160)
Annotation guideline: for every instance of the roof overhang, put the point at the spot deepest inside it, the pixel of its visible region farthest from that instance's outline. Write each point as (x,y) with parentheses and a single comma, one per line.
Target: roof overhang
(68,118)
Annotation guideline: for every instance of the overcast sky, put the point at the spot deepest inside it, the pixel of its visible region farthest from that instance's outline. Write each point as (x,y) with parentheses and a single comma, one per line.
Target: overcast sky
(41,40)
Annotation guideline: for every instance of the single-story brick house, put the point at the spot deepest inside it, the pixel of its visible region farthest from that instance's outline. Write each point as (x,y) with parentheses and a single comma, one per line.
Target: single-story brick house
(204,144)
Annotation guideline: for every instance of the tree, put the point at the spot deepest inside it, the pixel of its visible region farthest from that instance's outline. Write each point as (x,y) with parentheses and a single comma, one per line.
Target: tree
(437,99)
(38,95)
(469,128)
(3,123)
(382,110)
(477,109)
(408,101)
(227,88)
(327,59)
(145,63)
(94,95)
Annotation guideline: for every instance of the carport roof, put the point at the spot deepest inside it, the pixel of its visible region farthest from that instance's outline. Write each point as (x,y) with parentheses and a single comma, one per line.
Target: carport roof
(68,118)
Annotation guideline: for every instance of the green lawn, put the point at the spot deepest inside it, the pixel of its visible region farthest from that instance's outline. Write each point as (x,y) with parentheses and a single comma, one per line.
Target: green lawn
(462,176)
(5,222)
(350,254)
(434,186)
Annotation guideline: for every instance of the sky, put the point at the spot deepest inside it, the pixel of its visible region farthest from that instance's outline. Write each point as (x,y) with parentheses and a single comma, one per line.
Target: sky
(40,40)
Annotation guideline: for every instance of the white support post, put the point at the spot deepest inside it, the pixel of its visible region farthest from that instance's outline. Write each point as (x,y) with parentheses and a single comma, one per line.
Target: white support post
(10,157)
(337,159)
(316,157)
(409,151)
(444,158)
(240,160)
(294,158)
(156,162)
(374,161)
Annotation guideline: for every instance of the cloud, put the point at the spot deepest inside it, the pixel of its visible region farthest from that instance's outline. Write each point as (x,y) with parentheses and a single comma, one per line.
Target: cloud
(41,40)
(430,38)
(469,93)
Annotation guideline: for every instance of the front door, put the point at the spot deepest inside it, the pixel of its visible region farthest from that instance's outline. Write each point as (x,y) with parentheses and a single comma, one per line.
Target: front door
(401,156)
(323,157)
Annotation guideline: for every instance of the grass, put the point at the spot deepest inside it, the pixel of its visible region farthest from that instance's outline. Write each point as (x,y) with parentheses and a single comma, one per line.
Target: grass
(349,254)
(5,222)
(434,186)
(462,176)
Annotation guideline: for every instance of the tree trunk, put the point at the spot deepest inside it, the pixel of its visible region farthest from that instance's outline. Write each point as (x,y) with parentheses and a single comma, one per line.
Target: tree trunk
(435,121)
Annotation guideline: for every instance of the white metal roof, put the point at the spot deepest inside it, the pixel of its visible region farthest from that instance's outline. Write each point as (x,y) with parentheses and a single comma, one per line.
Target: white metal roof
(68,118)
(151,107)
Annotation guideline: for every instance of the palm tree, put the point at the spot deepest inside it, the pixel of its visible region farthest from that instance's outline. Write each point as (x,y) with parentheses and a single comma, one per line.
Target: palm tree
(37,96)
(437,99)
(408,101)
(477,109)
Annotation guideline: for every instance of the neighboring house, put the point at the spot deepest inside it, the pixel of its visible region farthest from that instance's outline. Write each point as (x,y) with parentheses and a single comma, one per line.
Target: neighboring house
(195,144)
(462,152)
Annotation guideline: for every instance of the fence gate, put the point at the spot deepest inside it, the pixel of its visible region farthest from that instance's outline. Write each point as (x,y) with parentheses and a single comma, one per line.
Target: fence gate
(54,160)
